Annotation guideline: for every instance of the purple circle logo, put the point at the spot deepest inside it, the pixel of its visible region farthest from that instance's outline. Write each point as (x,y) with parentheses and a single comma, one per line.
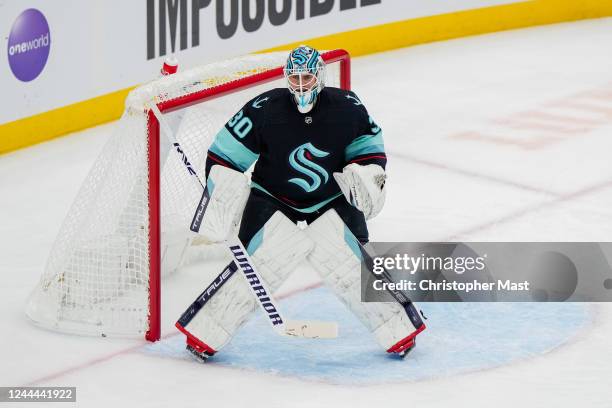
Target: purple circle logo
(28,45)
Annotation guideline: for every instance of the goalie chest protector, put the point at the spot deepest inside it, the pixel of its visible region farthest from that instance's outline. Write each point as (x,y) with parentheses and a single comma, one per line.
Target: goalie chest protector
(297,153)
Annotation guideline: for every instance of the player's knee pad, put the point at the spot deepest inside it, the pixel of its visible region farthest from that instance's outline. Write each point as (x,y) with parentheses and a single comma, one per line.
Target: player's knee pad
(225,304)
(229,190)
(337,257)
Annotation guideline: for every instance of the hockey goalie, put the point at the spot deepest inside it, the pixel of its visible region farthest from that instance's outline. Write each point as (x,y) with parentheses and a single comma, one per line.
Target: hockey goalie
(320,159)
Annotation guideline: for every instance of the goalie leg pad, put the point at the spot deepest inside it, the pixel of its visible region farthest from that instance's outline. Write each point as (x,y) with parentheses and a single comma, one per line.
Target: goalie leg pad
(337,257)
(228,190)
(227,302)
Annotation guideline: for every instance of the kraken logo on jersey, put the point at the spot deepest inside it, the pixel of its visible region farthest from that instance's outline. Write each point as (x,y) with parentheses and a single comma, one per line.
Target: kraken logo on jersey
(300,160)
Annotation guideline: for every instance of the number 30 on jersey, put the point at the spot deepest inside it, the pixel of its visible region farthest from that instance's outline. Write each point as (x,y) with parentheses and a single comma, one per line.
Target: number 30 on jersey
(240,125)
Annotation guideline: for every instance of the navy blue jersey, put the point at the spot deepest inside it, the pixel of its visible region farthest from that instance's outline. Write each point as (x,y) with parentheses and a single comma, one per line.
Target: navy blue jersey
(297,153)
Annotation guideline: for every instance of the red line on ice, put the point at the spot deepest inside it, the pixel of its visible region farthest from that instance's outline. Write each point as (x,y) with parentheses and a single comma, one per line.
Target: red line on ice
(110,356)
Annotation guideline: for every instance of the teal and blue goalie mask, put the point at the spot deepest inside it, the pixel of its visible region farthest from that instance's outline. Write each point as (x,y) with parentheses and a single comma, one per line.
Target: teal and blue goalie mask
(305,75)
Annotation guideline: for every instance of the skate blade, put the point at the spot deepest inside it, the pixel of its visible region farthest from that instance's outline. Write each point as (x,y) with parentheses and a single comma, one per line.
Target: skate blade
(200,357)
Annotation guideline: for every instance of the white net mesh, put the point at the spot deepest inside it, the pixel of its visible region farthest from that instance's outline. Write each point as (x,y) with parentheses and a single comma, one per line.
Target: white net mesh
(97,276)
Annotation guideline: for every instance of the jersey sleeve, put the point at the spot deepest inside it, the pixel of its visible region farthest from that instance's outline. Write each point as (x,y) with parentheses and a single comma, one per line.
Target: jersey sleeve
(367,146)
(236,145)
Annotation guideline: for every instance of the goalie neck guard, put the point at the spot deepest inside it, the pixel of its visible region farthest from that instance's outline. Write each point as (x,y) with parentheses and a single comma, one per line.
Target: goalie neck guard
(305,76)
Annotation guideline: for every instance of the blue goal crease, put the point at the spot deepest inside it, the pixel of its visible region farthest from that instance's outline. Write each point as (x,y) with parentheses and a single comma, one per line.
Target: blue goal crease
(460,338)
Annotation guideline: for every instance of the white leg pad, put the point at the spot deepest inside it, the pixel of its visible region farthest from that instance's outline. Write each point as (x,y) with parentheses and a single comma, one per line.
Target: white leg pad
(276,250)
(337,258)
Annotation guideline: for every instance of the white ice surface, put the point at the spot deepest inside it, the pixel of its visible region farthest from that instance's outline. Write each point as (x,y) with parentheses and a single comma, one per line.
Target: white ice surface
(492,138)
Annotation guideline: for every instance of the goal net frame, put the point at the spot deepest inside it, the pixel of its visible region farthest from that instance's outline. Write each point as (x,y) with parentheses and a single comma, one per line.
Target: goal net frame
(166,104)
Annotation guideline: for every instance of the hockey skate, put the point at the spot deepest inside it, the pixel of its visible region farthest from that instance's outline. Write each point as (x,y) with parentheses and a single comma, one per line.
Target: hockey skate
(407,350)
(200,350)
(200,355)
(406,345)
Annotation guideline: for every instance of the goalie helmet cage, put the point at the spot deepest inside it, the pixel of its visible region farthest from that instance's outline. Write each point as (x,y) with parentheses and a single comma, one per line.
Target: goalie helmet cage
(103,275)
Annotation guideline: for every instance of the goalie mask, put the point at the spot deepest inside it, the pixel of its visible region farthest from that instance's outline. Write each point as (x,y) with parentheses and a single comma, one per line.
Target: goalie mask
(305,75)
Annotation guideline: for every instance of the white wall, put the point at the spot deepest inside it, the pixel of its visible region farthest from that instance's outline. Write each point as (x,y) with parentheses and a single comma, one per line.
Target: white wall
(98,47)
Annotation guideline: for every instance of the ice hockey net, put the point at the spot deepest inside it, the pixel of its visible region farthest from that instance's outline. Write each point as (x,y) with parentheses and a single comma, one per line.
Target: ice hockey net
(129,224)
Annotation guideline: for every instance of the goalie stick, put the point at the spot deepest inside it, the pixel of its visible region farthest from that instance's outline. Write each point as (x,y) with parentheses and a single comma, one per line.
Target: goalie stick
(241,258)
(399,296)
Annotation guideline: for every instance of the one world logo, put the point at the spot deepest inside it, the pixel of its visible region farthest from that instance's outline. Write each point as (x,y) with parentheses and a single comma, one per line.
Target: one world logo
(28,45)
